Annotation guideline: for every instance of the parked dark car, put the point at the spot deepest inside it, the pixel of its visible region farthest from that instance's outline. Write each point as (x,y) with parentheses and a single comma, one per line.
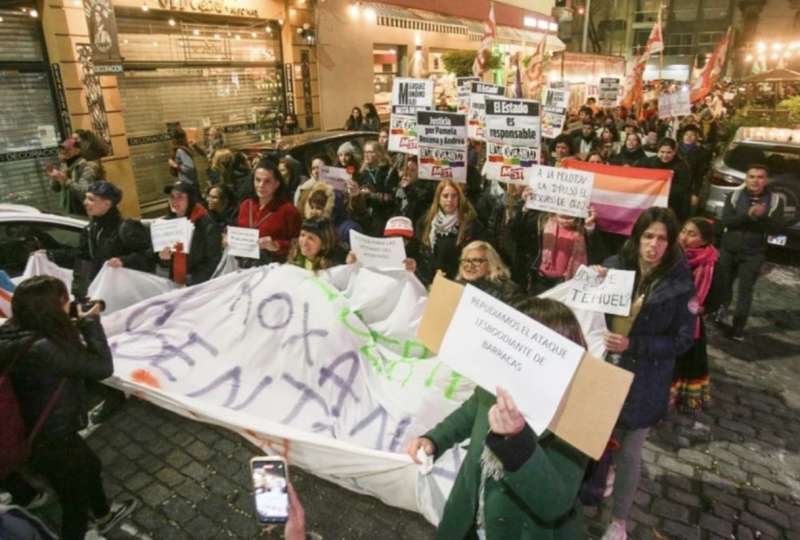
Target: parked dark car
(779,150)
(305,146)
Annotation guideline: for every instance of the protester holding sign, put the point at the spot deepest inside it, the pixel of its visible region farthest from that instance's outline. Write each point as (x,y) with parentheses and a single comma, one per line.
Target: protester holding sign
(513,482)
(450,224)
(659,328)
(316,247)
(272,213)
(206,245)
(681,188)
(690,382)
(480,265)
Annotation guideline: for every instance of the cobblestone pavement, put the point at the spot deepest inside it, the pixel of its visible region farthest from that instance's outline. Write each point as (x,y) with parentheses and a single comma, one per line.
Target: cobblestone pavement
(733,472)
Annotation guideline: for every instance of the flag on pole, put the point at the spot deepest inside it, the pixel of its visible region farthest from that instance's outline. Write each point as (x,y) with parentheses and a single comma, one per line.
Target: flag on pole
(712,71)
(535,71)
(634,89)
(517,77)
(485,48)
(655,43)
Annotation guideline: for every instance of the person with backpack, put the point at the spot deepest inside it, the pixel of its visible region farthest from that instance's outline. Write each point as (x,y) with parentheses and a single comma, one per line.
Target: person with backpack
(750,214)
(47,356)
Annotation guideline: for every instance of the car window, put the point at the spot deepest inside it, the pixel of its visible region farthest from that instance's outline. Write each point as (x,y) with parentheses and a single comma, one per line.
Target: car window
(781,160)
(19,239)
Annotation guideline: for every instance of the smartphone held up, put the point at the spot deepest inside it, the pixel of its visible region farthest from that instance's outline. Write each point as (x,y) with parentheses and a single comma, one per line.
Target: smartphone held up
(270,477)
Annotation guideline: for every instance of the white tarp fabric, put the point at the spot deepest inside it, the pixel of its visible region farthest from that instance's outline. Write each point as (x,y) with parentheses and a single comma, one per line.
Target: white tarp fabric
(123,287)
(38,265)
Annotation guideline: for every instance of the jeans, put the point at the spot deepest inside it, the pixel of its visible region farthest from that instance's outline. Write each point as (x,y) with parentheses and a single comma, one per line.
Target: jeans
(746,269)
(73,470)
(628,463)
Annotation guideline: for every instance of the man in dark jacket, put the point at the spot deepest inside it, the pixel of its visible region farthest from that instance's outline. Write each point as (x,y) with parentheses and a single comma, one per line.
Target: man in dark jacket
(749,216)
(697,157)
(73,177)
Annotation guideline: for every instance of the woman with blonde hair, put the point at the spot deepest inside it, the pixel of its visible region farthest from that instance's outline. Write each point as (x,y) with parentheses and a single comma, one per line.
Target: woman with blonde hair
(449,224)
(480,265)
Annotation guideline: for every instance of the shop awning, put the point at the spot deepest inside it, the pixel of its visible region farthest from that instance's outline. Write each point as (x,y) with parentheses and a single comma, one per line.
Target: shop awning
(427,21)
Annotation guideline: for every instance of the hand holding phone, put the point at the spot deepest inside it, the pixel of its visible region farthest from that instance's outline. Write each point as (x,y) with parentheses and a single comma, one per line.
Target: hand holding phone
(270,478)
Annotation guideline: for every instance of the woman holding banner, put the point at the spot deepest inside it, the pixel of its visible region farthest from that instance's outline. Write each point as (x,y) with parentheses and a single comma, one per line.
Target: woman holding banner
(316,247)
(513,483)
(659,328)
(450,224)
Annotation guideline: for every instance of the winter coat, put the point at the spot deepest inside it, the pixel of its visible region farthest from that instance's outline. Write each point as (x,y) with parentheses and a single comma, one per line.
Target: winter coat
(80,174)
(744,234)
(371,123)
(37,374)
(628,157)
(342,221)
(504,290)
(186,170)
(446,253)
(698,159)
(535,499)
(204,252)
(296,173)
(104,238)
(663,330)
(380,203)
(330,200)
(680,190)
(279,220)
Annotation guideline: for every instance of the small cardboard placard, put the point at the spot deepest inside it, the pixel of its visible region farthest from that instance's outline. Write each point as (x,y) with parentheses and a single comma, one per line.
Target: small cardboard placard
(609,294)
(336,177)
(170,232)
(243,242)
(561,191)
(592,401)
(378,252)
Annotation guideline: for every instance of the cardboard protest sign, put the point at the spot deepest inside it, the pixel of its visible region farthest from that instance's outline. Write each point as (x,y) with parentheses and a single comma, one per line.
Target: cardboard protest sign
(476,120)
(243,242)
(512,139)
(561,191)
(442,145)
(553,121)
(378,252)
(592,401)
(170,232)
(664,106)
(495,345)
(336,177)
(463,84)
(609,91)
(609,294)
(557,95)
(408,96)
(681,104)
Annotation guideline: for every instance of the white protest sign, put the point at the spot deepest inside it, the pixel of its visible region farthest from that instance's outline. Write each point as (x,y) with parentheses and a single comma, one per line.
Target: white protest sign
(681,104)
(378,252)
(609,91)
(336,177)
(557,96)
(463,85)
(561,191)
(408,96)
(243,242)
(512,135)
(609,294)
(496,345)
(553,121)
(476,120)
(442,144)
(664,106)
(170,232)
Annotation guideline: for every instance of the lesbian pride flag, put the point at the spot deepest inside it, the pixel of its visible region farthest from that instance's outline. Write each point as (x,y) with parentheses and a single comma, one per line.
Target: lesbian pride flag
(621,194)
(6,291)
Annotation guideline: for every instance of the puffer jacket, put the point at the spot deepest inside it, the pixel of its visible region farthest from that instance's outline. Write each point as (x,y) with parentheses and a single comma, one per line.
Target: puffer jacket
(36,375)
(663,330)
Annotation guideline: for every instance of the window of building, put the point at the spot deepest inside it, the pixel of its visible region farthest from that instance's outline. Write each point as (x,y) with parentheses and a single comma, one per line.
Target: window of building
(386,61)
(707,41)
(29,126)
(640,39)
(678,44)
(646,10)
(715,9)
(684,10)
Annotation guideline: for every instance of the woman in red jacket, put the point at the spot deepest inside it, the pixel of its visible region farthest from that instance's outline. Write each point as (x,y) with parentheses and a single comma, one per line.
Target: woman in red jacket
(272,213)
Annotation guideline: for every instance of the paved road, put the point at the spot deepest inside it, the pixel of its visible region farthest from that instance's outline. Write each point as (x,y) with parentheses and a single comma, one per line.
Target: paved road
(733,472)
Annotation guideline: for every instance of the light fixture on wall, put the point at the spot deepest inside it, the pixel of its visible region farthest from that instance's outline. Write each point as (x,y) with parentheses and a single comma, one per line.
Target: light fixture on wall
(370,15)
(196,32)
(145,8)
(33,13)
(354,10)
(280,22)
(172,22)
(253,34)
(238,37)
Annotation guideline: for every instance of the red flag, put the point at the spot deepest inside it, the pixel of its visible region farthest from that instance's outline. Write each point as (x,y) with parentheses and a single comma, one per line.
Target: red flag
(485,49)
(535,71)
(655,43)
(634,87)
(712,71)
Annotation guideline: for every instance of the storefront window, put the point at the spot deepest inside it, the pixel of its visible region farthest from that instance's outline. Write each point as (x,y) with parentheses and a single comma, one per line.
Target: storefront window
(29,131)
(199,76)
(386,61)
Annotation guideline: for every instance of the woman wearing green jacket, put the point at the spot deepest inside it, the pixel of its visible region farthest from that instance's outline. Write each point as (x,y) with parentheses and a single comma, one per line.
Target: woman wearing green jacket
(513,482)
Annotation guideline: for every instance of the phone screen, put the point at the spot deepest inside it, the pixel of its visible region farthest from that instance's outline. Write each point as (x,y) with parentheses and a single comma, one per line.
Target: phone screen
(270,485)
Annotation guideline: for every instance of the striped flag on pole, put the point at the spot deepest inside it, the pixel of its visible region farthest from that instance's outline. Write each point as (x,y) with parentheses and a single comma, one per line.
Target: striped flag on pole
(621,194)
(485,49)
(535,71)
(712,71)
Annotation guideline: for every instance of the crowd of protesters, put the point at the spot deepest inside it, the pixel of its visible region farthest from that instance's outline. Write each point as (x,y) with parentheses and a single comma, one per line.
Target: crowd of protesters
(479,232)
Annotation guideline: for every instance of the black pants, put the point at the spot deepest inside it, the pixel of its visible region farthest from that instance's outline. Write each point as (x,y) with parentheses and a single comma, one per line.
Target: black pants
(73,470)
(21,491)
(744,268)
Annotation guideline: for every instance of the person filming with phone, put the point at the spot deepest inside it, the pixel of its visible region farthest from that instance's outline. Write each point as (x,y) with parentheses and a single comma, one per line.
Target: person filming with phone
(48,357)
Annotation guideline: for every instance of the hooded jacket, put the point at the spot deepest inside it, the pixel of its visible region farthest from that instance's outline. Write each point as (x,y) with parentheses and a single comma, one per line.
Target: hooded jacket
(36,375)
(304,204)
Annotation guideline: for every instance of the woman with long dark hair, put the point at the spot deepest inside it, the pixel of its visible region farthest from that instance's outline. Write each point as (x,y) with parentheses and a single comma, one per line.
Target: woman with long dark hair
(659,328)
(49,357)
(354,122)
(181,164)
(682,187)
(372,122)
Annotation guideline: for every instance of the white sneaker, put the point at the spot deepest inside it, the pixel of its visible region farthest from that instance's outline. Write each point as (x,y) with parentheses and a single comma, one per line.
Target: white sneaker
(616,531)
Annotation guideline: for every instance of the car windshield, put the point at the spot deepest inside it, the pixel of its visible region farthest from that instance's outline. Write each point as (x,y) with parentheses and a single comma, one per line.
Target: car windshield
(781,160)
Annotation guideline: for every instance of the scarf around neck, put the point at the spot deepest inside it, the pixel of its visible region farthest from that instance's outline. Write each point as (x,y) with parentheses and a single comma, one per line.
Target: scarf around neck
(701,261)
(577,255)
(443,225)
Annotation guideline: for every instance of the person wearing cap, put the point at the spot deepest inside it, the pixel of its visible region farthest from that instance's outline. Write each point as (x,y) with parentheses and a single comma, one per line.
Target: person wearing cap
(697,157)
(206,247)
(403,227)
(272,213)
(107,238)
(316,247)
(74,176)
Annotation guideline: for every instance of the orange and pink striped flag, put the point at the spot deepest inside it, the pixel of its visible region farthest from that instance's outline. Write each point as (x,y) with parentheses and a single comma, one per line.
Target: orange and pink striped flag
(621,194)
